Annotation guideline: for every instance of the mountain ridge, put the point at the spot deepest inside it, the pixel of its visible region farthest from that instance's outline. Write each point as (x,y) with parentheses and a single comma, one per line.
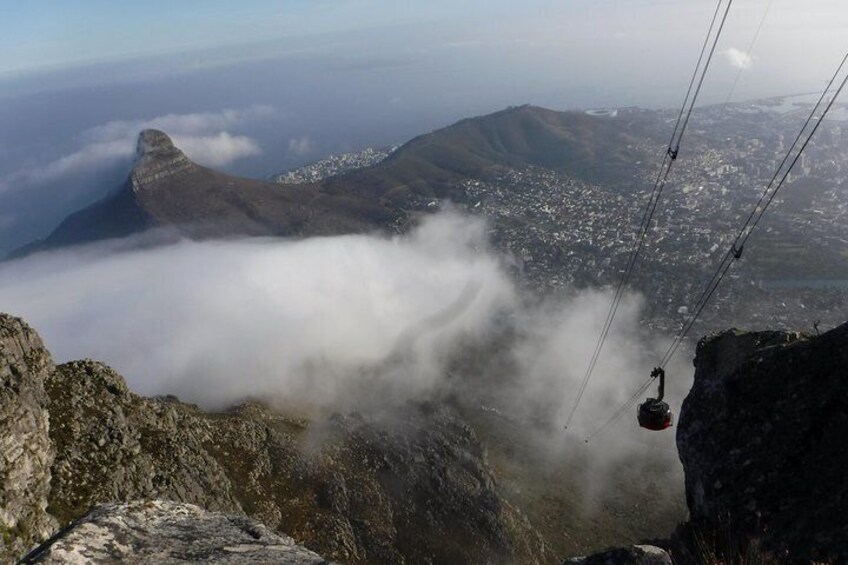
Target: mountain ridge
(166,189)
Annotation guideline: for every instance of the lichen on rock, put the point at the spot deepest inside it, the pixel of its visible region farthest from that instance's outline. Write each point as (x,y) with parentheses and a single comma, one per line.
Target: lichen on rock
(26,451)
(761,438)
(157,531)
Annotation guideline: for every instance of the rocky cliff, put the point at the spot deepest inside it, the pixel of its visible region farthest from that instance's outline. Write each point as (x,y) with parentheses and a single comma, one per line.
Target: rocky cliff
(157,159)
(26,452)
(762,439)
(411,488)
(157,531)
(165,189)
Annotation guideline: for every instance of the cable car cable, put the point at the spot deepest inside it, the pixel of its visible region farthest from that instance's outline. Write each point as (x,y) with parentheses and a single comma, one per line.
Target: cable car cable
(735,249)
(659,184)
(621,411)
(749,51)
(758,211)
(744,234)
(703,75)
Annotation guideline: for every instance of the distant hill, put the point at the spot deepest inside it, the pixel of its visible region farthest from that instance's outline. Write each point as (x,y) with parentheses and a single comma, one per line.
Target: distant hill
(166,189)
(591,148)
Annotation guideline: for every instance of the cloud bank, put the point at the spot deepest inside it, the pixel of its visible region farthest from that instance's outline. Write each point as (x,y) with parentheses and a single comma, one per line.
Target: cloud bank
(738,59)
(202,136)
(335,321)
(216,321)
(217,150)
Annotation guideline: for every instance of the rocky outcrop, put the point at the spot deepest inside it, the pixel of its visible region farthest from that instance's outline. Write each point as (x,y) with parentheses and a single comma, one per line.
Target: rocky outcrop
(167,191)
(416,489)
(112,445)
(762,439)
(158,531)
(26,452)
(633,555)
(158,159)
(411,487)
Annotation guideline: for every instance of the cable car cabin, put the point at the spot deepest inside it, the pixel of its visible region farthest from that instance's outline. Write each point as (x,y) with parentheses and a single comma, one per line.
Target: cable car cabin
(654,414)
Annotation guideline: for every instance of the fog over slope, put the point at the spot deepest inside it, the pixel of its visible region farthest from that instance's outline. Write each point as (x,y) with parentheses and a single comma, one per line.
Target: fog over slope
(338,322)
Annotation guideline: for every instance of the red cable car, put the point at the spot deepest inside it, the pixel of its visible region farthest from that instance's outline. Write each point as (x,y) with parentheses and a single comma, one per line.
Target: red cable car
(654,414)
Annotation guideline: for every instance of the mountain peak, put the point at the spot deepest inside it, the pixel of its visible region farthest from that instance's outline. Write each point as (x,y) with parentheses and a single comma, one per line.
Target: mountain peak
(158,158)
(153,141)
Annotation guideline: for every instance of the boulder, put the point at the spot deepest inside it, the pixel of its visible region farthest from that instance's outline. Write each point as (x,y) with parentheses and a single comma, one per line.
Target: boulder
(761,436)
(633,555)
(26,452)
(158,531)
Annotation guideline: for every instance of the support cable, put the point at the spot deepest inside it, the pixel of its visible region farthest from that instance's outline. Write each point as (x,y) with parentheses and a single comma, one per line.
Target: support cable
(738,245)
(703,64)
(749,51)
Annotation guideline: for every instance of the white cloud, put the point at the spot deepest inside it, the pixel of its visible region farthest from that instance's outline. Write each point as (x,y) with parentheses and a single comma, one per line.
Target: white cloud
(328,320)
(301,146)
(183,124)
(738,58)
(216,321)
(353,323)
(91,156)
(201,135)
(217,150)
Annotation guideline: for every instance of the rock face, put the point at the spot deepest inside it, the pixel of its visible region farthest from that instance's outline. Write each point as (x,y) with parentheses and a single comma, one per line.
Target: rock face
(633,555)
(158,159)
(158,531)
(408,488)
(762,440)
(26,452)
(166,190)
(366,492)
(112,445)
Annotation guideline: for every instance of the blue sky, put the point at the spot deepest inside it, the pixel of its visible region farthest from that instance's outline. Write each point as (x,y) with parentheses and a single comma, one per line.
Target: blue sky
(41,33)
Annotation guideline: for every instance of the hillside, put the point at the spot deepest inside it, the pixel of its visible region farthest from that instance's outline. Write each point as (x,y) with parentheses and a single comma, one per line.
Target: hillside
(166,190)
(586,147)
(438,479)
(417,488)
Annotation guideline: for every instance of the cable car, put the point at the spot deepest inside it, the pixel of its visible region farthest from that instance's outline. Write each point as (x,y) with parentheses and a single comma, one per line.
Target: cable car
(654,414)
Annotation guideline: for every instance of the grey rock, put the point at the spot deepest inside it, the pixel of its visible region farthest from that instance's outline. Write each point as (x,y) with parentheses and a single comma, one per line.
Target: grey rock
(26,451)
(157,531)
(633,555)
(158,158)
(761,437)
(411,486)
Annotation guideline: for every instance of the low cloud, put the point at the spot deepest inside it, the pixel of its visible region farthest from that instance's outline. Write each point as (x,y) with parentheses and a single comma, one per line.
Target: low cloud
(216,321)
(183,124)
(738,59)
(301,146)
(94,155)
(332,321)
(217,150)
(202,136)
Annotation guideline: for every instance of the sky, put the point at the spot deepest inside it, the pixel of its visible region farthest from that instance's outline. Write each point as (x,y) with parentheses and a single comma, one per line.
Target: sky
(259,86)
